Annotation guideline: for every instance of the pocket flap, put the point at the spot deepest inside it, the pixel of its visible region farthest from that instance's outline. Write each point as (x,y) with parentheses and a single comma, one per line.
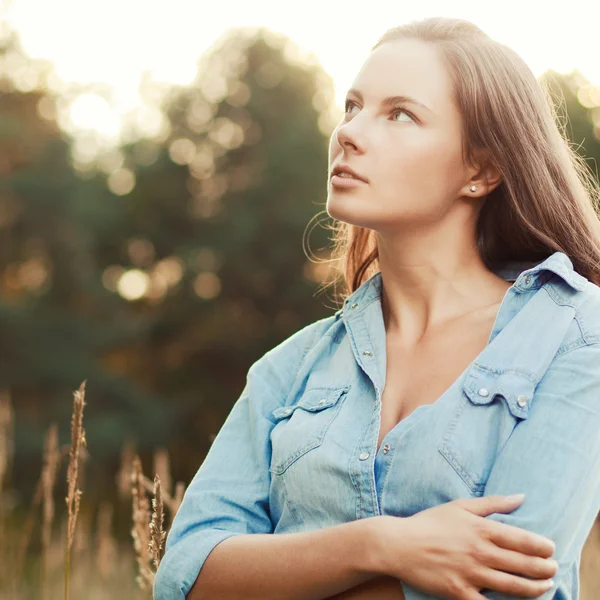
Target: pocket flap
(516,387)
(313,400)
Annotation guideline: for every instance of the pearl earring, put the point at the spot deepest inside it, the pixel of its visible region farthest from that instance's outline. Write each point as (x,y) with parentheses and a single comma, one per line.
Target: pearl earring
(473,188)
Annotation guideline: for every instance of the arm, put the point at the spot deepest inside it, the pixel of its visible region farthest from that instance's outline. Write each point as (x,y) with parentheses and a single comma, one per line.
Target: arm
(229,498)
(295,566)
(382,587)
(553,457)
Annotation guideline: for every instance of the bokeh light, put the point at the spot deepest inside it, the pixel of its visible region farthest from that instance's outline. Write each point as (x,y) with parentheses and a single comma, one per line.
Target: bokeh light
(133,284)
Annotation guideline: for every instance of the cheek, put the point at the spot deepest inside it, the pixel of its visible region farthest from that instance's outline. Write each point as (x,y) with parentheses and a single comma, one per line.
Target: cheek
(421,161)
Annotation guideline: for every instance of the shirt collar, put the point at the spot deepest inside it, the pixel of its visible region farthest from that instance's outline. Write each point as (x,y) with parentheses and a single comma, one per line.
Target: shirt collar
(525,274)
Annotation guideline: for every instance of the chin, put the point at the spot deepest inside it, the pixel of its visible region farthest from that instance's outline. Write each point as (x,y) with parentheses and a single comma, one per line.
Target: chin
(341,210)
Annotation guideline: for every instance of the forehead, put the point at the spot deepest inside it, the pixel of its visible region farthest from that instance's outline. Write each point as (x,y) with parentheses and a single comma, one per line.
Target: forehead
(407,66)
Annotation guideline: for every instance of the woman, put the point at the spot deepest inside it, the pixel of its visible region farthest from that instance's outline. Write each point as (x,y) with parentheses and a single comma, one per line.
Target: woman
(463,367)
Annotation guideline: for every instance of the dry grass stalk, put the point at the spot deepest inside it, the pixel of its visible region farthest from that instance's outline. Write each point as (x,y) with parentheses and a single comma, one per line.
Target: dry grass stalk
(27,529)
(106,547)
(140,531)
(84,456)
(162,467)
(6,436)
(6,452)
(73,493)
(172,503)
(123,477)
(177,499)
(157,534)
(48,480)
(83,534)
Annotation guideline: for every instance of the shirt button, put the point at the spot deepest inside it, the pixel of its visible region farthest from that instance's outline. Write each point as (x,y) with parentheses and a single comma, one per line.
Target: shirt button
(527,279)
(367,353)
(521,401)
(288,411)
(483,392)
(353,306)
(386,448)
(364,456)
(323,401)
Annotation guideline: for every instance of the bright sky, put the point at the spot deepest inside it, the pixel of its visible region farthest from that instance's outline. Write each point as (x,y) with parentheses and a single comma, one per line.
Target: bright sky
(115,41)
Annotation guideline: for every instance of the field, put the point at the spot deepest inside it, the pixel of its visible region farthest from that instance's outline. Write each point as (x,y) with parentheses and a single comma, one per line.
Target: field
(81,557)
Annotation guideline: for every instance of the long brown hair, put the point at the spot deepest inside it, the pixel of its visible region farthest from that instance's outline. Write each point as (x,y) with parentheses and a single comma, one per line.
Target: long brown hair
(547,201)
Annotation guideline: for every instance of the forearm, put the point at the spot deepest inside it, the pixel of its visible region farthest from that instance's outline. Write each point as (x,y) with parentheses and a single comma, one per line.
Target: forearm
(310,565)
(382,587)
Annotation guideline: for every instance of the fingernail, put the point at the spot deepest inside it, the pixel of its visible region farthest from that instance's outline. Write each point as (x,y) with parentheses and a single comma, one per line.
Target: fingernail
(550,583)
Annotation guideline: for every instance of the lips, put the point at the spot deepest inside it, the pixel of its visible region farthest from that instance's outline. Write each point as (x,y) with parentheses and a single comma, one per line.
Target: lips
(344,171)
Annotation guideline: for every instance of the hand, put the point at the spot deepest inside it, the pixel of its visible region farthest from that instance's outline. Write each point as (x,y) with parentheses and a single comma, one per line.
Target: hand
(382,587)
(453,552)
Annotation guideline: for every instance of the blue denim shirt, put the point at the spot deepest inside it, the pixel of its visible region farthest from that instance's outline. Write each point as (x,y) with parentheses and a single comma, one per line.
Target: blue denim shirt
(297,452)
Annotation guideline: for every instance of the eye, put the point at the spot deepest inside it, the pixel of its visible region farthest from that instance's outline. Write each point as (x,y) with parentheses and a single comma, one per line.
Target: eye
(347,105)
(397,111)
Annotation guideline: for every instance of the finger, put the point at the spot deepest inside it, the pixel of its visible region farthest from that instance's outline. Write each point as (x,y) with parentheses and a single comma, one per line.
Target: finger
(513,584)
(520,540)
(501,559)
(486,505)
(473,595)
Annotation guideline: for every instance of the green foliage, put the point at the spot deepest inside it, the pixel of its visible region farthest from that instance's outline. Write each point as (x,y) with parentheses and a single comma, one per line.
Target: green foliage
(580,122)
(222,242)
(215,221)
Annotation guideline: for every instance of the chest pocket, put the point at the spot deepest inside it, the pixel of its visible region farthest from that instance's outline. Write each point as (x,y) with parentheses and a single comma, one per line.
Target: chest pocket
(491,406)
(302,426)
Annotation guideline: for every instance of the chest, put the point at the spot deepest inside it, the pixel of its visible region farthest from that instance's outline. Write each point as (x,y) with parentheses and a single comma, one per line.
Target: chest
(423,375)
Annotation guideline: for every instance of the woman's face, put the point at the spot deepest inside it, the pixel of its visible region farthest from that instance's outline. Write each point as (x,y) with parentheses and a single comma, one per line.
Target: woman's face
(409,154)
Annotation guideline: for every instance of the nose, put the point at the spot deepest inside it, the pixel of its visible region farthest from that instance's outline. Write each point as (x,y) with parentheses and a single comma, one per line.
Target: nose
(347,136)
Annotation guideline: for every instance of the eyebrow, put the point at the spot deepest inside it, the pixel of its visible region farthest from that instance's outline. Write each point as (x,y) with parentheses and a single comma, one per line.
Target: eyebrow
(393,100)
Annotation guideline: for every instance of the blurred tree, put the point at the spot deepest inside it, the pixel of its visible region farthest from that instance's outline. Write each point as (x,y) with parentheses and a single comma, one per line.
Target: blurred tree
(224,208)
(161,278)
(56,318)
(579,102)
(163,294)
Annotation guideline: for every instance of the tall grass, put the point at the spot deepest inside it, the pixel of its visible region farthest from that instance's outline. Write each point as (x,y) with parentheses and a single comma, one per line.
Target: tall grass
(95,566)
(140,532)
(74,493)
(48,479)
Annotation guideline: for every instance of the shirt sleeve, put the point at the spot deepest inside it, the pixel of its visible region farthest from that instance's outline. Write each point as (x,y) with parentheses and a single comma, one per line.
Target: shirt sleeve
(229,495)
(553,457)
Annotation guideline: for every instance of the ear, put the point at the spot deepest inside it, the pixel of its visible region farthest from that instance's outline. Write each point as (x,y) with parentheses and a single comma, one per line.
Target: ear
(484,175)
